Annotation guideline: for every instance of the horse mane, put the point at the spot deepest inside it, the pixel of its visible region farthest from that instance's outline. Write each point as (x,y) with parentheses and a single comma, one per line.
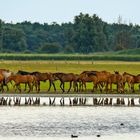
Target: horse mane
(85,72)
(128,74)
(34,73)
(116,72)
(23,72)
(91,73)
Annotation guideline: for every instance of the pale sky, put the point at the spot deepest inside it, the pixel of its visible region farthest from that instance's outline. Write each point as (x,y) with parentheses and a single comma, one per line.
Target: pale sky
(64,10)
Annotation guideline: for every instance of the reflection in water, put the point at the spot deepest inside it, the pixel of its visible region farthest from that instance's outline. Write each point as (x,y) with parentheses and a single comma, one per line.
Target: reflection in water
(58,122)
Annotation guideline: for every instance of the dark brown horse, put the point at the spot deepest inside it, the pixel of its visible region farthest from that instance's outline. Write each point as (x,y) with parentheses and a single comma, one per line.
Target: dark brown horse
(44,77)
(66,77)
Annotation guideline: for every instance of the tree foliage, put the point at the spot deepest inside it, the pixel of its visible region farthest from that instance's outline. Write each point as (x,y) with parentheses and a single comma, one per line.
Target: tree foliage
(87,34)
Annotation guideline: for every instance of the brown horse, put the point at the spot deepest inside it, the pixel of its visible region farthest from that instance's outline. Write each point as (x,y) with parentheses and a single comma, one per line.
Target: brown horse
(129,79)
(115,79)
(83,79)
(1,82)
(18,79)
(44,77)
(136,80)
(99,79)
(66,77)
(132,80)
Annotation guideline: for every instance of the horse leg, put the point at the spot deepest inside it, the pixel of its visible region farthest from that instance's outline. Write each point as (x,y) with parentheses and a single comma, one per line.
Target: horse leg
(54,86)
(25,87)
(30,87)
(110,86)
(18,87)
(84,85)
(70,87)
(81,86)
(38,86)
(100,86)
(129,85)
(50,84)
(2,89)
(76,87)
(7,87)
(132,88)
(61,86)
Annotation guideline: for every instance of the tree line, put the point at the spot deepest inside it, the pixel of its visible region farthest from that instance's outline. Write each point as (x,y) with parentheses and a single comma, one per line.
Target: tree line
(86,34)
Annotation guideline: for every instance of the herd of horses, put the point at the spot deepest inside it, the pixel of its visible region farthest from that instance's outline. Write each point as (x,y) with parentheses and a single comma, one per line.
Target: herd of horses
(102,80)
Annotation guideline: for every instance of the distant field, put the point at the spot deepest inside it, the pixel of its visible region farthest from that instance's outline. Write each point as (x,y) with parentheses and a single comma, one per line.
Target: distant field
(118,56)
(71,66)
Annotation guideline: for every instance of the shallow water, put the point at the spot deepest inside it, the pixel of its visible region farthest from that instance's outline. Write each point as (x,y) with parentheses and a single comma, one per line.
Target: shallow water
(60,122)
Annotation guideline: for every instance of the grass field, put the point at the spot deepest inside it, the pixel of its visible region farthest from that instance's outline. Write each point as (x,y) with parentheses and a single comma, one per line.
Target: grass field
(129,55)
(70,66)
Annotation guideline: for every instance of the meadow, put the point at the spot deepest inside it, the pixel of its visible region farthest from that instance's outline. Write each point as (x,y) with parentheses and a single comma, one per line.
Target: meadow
(129,55)
(70,66)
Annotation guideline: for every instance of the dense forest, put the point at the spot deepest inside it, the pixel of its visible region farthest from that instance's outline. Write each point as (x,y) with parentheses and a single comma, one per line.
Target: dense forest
(86,34)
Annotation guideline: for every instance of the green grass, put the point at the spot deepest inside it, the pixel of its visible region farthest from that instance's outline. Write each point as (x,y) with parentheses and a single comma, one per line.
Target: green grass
(70,66)
(115,56)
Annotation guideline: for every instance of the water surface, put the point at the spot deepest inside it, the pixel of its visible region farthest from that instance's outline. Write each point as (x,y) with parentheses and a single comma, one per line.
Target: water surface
(60,122)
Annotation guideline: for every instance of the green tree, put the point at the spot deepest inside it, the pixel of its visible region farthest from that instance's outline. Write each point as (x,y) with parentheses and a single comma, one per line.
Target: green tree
(14,40)
(50,48)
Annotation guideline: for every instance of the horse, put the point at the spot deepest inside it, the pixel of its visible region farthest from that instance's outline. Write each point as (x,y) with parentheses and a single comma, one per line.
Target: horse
(136,80)
(66,77)
(18,79)
(132,80)
(21,72)
(6,73)
(128,78)
(44,77)
(1,82)
(99,78)
(115,79)
(83,79)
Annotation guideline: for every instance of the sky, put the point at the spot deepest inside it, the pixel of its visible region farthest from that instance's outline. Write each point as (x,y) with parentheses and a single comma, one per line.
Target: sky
(61,11)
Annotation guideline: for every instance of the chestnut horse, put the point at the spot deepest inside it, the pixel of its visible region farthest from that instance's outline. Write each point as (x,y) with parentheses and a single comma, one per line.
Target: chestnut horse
(18,79)
(99,78)
(83,79)
(129,79)
(132,80)
(115,79)
(41,77)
